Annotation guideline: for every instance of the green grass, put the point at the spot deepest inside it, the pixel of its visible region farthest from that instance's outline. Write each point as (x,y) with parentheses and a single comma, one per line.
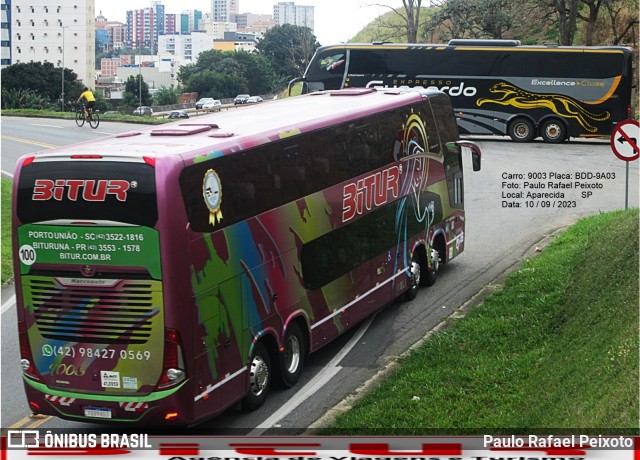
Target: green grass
(5,208)
(71,116)
(556,348)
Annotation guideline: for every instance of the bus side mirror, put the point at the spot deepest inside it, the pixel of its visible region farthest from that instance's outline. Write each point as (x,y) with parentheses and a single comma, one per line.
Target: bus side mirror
(304,87)
(476,153)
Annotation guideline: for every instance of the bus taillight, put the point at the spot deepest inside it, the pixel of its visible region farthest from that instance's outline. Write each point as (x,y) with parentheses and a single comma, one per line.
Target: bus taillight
(173,364)
(26,358)
(28,160)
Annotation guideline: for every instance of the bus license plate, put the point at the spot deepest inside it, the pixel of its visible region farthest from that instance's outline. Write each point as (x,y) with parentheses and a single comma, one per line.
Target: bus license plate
(97,412)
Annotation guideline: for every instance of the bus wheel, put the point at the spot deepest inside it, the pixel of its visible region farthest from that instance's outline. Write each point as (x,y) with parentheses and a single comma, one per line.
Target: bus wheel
(553,131)
(432,272)
(414,280)
(259,378)
(292,359)
(521,130)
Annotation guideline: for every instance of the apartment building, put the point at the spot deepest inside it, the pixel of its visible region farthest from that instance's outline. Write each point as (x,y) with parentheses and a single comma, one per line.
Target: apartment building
(224,10)
(5,32)
(60,32)
(290,13)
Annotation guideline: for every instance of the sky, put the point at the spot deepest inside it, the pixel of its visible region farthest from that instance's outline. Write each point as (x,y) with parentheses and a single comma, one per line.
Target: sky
(335,20)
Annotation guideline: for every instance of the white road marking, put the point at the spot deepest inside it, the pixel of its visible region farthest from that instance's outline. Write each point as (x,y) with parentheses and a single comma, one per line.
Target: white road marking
(315,384)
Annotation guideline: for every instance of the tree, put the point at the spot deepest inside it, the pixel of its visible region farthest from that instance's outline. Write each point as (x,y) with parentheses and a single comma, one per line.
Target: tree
(166,96)
(289,49)
(43,79)
(410,20)
(623,19)
(225,74)
(215,84)
(567,16)
(133,89)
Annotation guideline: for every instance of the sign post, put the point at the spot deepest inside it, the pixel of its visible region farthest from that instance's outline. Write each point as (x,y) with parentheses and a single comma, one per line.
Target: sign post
(625,145)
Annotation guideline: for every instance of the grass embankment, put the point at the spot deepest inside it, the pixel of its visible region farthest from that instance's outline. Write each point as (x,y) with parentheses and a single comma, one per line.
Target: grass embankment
(7,272)
(72,116)
(556,348)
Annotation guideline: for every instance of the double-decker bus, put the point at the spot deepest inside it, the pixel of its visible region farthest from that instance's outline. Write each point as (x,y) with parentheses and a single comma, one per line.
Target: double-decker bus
(163,275)
(497,87)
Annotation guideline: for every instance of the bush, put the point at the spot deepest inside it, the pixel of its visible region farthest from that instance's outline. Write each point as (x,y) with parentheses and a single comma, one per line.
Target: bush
(23,99)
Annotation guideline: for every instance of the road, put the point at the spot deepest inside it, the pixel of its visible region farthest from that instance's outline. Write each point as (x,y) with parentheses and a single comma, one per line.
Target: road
(497,237)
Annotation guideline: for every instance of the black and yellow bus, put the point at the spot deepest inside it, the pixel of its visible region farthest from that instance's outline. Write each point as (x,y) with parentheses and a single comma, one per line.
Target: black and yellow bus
(497,87)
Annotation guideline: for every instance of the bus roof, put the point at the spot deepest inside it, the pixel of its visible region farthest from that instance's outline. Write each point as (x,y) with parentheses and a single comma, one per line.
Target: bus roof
(239,128)
(481,45)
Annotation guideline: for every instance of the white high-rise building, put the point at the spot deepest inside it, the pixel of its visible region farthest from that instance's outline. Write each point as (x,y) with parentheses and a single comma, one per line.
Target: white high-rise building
(62,33)
(224,10)
(290,13)
(6,33)
(185,49)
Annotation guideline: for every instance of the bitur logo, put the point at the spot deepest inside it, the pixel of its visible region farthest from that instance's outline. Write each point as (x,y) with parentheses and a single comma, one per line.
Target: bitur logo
(87,189)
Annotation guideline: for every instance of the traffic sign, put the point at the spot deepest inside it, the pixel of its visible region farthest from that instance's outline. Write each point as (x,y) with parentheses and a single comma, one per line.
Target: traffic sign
(625,140)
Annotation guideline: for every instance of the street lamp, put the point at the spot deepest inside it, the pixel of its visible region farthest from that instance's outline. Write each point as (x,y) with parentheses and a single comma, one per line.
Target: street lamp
(62,73)
(140,79)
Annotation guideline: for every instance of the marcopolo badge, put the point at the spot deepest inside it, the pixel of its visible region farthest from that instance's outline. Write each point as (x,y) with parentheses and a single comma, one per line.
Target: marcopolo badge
(212,192)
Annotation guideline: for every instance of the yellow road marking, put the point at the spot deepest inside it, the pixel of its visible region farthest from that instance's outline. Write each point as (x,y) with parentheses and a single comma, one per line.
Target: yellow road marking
(30,421)
(27,141)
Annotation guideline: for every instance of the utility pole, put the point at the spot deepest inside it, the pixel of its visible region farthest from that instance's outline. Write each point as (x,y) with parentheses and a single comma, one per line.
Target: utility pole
(140,79)
(62,72)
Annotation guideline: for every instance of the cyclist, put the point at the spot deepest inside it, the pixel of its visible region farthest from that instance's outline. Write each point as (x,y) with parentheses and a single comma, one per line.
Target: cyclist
(90,99)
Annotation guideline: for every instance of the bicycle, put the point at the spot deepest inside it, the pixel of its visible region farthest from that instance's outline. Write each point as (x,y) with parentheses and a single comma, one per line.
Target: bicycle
(93,119)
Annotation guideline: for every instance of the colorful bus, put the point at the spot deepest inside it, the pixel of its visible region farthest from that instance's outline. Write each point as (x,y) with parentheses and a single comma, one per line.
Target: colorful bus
(163,275)
(498,87)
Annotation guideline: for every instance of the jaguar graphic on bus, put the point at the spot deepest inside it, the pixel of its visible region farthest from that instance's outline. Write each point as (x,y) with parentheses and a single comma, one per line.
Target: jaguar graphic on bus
(497,87)
(165,274)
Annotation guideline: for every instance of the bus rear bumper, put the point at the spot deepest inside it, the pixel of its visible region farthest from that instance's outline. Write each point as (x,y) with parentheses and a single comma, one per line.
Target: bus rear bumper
(162,408)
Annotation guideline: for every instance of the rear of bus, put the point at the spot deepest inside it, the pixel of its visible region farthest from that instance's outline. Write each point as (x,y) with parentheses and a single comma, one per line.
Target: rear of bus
(91,320)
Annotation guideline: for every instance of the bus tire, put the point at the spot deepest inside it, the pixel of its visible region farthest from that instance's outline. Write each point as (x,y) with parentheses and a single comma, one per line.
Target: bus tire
(553,131)
(292,358)
(414,280)
(521,130)
(259,378)
(432,271)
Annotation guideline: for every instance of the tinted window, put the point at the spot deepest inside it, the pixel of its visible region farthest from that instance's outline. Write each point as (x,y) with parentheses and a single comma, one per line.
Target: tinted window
(335,254)
(88,190)
(259,179)
(466,62)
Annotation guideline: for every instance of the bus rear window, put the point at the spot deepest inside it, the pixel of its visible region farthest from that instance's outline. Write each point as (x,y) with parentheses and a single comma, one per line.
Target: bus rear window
(87,190)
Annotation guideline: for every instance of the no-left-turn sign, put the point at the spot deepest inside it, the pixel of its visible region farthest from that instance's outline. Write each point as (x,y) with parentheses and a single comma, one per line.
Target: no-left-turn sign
(625,140)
